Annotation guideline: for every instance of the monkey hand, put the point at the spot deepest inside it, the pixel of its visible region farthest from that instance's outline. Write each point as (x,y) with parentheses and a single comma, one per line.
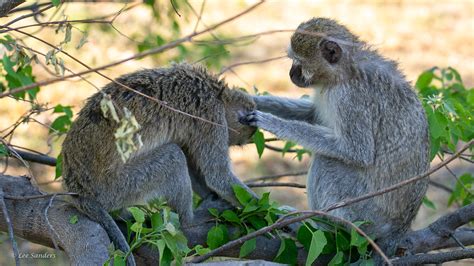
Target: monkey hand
(256,119)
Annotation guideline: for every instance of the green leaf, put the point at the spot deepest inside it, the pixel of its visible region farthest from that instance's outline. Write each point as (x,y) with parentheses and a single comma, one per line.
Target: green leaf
(259,141)
(156,220)
(217,236)
(63,109)
(59,166)
(287,253)
(242,195)
(214,212)
(304,236)
(73,219)
(338,259)
(200,250)
(318,242)
(341,241)
(428,203)
(68,34)
(56,3)
(231,216)
(3,150)
(250,207)
(171,229)
(257,222)
(119,260)
(287,147)
(424,79)
(264,201)
(82,41)
(61,124)
(138,214)
(248,247)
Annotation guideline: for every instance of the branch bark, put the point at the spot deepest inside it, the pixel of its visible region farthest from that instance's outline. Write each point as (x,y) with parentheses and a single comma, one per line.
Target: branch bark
(438,234)
(86,242)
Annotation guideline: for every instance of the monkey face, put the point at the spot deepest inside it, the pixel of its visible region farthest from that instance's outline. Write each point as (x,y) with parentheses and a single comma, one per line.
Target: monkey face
(317,56)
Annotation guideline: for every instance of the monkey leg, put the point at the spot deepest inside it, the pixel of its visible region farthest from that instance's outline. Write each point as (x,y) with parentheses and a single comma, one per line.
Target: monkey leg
(161,172)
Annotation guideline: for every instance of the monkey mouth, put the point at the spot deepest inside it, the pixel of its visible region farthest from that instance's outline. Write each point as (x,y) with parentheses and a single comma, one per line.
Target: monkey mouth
(297,77)
(301,82)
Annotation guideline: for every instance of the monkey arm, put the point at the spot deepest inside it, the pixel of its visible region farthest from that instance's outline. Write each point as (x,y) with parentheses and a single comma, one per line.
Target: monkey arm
(352,145)
(214,167)
(292,109)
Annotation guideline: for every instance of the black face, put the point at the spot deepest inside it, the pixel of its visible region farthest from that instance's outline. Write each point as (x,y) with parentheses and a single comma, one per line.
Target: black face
(296,75)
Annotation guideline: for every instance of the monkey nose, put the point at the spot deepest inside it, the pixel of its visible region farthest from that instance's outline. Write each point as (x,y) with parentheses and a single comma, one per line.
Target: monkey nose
(295,70)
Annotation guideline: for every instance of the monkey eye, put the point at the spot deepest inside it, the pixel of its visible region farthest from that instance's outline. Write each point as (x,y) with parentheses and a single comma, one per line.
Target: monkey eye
(331,51)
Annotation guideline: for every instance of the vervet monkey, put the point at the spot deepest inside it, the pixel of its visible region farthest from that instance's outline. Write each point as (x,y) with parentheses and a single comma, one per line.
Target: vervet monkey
(179,154)
(365,127)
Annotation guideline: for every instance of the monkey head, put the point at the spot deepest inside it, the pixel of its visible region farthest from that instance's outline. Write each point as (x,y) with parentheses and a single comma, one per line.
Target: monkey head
(236,102)
(320,50)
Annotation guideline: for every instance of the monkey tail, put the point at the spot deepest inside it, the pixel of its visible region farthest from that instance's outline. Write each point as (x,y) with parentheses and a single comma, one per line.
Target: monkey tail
(96,212)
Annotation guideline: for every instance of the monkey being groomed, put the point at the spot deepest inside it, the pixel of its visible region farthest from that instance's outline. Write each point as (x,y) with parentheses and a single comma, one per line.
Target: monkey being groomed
(365,127)
(179,154)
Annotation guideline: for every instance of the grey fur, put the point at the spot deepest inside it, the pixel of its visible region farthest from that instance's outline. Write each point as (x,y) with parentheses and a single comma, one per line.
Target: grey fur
(366,129)
(179,154)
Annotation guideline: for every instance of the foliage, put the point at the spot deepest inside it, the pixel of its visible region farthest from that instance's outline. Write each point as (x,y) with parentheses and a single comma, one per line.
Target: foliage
(318,236)
(170,19)
(157,226)
(449,107)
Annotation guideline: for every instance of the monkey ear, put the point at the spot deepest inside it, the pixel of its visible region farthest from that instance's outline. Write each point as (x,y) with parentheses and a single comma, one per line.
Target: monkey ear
(331,51)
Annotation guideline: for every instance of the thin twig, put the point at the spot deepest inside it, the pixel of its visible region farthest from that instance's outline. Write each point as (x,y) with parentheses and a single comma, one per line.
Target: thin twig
(162,103)
(350,201)
(273,148)
(51,230)
(40,196)
(156,50)
(227,68)
(276,184)
(272,177)
(28,15)
(435,258)
(441,186)
(10,228)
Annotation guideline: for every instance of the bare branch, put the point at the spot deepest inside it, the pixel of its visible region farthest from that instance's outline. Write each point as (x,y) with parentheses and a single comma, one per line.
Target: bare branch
(36,157)
(227,68)
(276,184)
(441,186)
(272,177)
(10,227)
(438,233)
(435,258)
(28,15)
(156,50)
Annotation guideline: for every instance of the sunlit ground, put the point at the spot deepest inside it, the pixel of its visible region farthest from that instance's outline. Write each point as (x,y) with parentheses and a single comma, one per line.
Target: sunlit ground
(418,34)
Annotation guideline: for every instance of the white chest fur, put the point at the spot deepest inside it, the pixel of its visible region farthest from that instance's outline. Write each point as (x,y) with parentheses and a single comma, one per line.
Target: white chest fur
(326,111)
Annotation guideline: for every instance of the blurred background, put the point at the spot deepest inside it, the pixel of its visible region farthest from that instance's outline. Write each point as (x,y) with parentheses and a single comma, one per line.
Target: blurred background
(417,34)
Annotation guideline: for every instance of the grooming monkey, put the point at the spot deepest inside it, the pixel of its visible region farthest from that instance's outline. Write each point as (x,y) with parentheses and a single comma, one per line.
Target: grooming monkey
(364,126)
(179,154)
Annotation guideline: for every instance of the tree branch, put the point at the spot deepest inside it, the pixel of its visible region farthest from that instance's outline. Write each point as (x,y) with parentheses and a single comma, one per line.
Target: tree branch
(86,242)
(437,234)
(156,50)
(435,258)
